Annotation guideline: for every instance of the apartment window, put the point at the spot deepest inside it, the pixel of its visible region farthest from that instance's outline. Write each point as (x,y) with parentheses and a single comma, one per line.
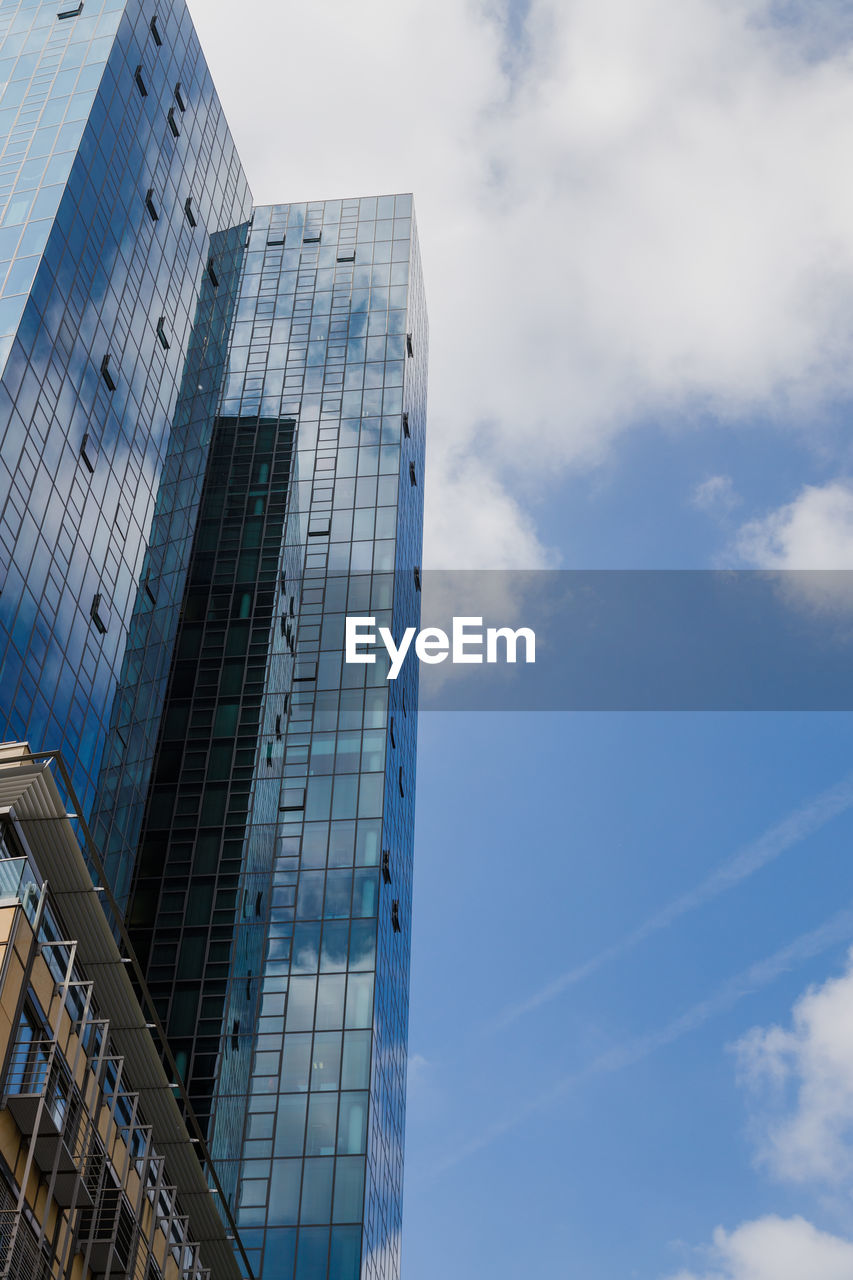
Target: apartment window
(188,211)
(71,13)
(99,613)
(406,432)
(395,915)
(88,452)
(161,333)
(155,31)
(412,473)
(410,346)
(173,124)
(179,97)
(106,375)
(211,274)
(150,205)
(140,83)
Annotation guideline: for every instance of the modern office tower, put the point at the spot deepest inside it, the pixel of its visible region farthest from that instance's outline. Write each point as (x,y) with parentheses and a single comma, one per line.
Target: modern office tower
(212,435)
(272,895)
(98,1174)
(121,199)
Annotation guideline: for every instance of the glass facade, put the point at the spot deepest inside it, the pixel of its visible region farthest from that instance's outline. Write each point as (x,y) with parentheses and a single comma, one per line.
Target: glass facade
(106,227)
(273,892)
(211,449)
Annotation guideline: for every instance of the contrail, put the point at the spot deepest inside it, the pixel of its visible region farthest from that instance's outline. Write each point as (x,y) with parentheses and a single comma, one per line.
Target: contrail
(838,928)
(797,826)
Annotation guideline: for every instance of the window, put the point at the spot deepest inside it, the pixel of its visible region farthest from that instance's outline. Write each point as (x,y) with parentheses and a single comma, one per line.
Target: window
(173,124)
(278,727)
(106,375)
(406,432)
(395,915)
(346,257)
(312,239)
(391,731)
(188,211)
(150,205)
(71,13)
(158,39)
(400,780)
(275,240)
(161,333)
(179,97)
(410,347)
(386,865)
(140,83)
(211,273)
(88,452)
(100,614)
(412,474)
(416,573)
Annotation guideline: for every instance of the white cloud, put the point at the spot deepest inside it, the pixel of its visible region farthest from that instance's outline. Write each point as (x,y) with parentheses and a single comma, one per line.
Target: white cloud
(802,1077)
(716,494)
(815,531)
(809,1137)
(649,213)
(774,1248)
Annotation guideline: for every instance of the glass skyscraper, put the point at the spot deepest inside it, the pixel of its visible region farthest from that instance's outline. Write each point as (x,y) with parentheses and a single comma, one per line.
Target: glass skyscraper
(212,427)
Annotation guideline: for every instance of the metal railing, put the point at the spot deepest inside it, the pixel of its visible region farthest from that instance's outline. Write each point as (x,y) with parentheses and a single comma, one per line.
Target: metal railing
(20,1255)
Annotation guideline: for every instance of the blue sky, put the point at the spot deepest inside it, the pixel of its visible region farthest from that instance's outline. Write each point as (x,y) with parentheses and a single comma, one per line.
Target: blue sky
(636,224)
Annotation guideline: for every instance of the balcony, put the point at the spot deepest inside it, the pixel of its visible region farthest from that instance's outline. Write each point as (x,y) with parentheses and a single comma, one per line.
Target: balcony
(48,1110)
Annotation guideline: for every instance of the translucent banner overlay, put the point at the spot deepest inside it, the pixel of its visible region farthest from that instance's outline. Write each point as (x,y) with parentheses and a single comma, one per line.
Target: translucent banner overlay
(634,640)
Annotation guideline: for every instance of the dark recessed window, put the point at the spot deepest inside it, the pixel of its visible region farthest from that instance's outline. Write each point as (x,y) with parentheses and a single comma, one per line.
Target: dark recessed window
(140,83)
(406,432)
(278,727)
(416,573)
(100,614)
(179,97)
(150,205)
(346,257)
(161,333)
(269,754)
(412,473)
(235,1034)
(400,780)
(274,240)
(386,865)
(211,272)
(149,590)
(188,210)
(158,39)
(391,731)
(88,452)
(71,13)
(410,346)
(173,124)
(311,239)
(106,375)
(395,915)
